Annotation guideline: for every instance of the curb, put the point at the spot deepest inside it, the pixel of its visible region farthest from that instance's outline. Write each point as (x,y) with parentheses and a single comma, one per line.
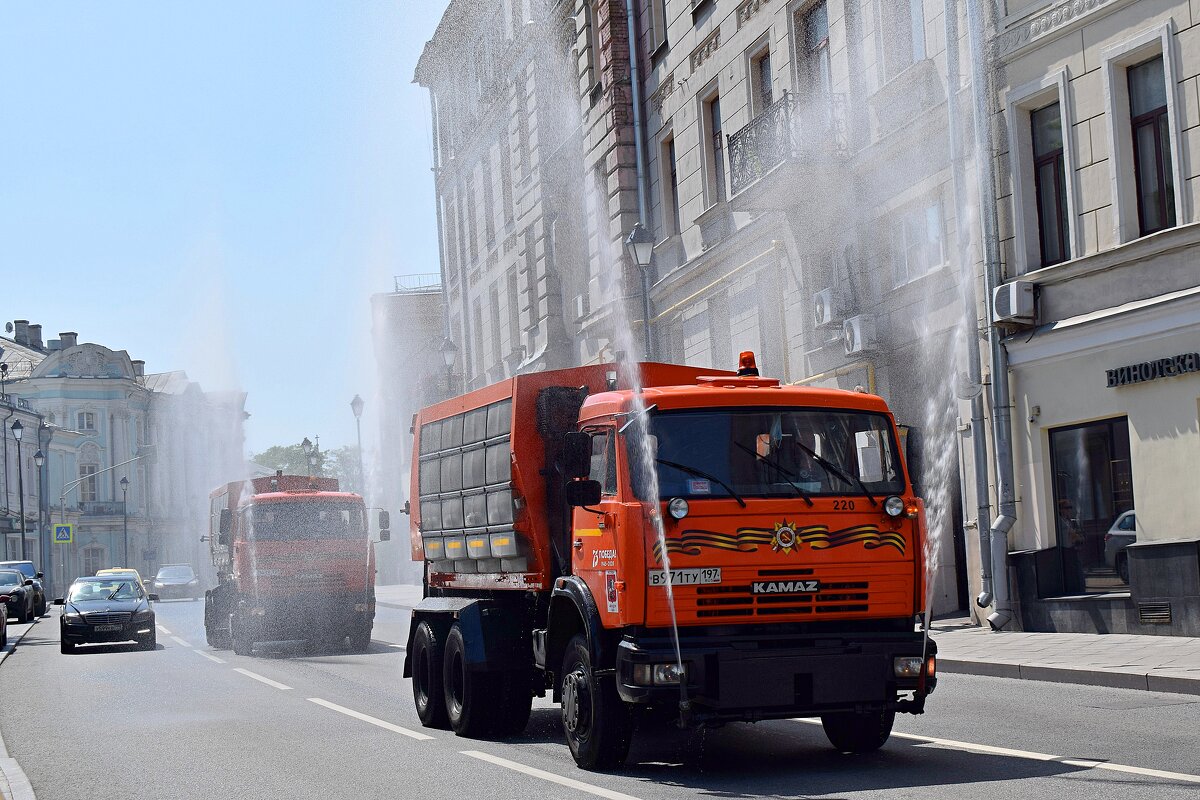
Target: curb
(13,782)
(1089,677)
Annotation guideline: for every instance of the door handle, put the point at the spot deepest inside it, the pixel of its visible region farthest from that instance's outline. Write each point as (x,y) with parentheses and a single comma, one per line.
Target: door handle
(578,544)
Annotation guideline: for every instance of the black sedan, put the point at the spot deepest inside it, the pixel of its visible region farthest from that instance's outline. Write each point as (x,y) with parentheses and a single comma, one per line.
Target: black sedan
(30,572)
(177,581)
(20,594)
(105,608)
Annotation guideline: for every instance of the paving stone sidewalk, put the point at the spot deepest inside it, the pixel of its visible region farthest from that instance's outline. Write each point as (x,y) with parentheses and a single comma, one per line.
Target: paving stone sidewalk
(1154,663)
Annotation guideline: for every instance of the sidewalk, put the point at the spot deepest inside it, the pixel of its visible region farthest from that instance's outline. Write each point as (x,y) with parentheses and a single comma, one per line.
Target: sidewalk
(1154,663)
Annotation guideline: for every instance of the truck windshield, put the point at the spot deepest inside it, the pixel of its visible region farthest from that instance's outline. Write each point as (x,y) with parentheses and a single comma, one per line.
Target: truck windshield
(279,522)
(770,453)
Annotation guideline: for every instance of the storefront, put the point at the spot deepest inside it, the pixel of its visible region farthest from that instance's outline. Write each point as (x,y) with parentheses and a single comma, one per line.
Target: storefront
(1106,425)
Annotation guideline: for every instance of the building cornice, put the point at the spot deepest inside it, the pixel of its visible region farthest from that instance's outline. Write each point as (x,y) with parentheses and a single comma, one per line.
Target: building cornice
(1027,32)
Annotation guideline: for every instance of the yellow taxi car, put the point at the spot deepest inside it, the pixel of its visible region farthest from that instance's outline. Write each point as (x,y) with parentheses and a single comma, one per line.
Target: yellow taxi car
(122,572)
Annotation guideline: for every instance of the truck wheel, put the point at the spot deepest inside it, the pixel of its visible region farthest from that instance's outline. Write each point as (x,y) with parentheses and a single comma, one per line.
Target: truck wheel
(858,733)
(242,645)
(360,640)
(597,722)
(516,703)
(470,694)
(428,694)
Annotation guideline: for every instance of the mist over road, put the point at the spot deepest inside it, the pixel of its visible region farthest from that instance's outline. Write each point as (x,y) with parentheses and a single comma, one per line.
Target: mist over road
(188,721)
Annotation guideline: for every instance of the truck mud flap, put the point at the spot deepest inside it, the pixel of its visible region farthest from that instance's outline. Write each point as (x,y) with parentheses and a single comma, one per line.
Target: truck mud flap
(494,635)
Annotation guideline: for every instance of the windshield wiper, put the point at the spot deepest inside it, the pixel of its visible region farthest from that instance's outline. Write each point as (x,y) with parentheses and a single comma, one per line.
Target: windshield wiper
(787,474)
(853,479)
(702,474)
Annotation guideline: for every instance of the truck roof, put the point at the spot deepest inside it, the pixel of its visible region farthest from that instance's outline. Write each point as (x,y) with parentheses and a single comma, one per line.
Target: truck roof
(303,496)
(730,391)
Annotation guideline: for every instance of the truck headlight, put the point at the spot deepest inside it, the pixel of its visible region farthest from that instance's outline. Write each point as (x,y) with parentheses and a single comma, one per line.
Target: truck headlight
(669,674)
(907,666)
(893,506)
(677,508)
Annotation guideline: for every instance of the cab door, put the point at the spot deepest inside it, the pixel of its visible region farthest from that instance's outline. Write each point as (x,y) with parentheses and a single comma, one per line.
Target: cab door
(595,534)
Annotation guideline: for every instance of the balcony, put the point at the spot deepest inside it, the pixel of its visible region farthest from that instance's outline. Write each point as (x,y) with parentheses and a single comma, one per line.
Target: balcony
(102,508)
(785,150)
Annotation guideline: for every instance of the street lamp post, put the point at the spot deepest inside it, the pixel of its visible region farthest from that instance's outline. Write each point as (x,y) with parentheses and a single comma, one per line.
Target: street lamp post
(449,352)
(38,460)
(125,519)
(17,430)
(356,405)
(307,447)
(640,245)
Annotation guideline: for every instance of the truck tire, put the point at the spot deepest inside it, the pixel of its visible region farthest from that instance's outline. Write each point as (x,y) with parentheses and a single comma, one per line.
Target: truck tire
(598,724)
(360,640)
(428,694)
(470,694)
(242,644)
(858,733)
(516,703)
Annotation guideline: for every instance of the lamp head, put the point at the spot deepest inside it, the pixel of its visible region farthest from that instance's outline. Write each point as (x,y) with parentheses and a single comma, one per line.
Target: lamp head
(39,458)
(448,351)
(17,429)
(356,405)
(640,245)
(306,445)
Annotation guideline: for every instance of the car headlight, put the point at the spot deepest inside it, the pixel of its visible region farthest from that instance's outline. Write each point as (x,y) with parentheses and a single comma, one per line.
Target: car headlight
(158,584)
(143,615)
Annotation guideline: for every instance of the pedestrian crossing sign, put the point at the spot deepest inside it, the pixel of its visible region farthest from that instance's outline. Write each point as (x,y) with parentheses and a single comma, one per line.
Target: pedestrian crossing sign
(64,534)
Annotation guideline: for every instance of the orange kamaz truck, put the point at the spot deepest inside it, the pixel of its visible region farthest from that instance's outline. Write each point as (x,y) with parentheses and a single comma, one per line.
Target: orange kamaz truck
(294,560)
(711,543)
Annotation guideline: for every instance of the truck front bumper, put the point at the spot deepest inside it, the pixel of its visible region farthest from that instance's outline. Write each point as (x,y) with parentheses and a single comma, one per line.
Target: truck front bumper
(754,676)
(277,618)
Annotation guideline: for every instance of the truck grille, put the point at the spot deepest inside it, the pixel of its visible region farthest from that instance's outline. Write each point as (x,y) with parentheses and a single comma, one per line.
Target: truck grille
(834,597)
(107,618)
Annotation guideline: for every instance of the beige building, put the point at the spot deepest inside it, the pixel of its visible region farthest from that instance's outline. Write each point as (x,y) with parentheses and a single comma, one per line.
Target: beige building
(1099,122)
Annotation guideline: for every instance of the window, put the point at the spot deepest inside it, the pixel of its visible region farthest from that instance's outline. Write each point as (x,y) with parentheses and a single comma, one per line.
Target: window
(714,151)
(592,50)
(900,34)
(604,463)
(1050,184)
(670,187)
(658,23)
(93,559)
(88,485)
(518,16)
(85,421)
(1093,486)
(917,243)
(494,319)
(1151,132)
(514,312)
(472,220)
(812,67)
(506,179)
(761,95)
(489,201)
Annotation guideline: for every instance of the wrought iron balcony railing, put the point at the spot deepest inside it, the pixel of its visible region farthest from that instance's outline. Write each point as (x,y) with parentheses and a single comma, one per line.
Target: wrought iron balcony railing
(102,508)
(786,131)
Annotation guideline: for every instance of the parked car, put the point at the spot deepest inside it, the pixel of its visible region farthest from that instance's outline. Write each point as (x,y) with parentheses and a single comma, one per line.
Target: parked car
(3,622)
(19,590)
(106,608)
(1121,534)
(177,581)
(27,569)
(124,572)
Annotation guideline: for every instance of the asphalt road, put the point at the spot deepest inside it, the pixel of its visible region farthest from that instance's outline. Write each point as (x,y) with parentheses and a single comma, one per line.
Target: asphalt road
(189,722)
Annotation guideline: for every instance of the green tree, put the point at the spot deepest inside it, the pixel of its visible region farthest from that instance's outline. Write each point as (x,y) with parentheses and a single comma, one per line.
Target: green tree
(290,458)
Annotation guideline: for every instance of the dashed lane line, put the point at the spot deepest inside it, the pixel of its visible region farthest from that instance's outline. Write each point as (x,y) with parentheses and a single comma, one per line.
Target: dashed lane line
(164,630)
(181,642)
(373,720)
(209,656)
(262,679)
(571,783)
(1086,763)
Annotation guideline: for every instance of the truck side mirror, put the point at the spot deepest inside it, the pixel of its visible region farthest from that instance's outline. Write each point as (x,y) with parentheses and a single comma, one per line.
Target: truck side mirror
(385,535)
(226,522)
(577,455)
(582,493)
(385,520)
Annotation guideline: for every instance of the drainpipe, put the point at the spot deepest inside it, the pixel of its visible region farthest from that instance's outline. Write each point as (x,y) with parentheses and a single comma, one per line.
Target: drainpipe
(639,147)
(966,262)
(1002,613)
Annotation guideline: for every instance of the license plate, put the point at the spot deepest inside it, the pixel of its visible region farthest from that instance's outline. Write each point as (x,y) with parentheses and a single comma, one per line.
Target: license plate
(106,628)
(686,577)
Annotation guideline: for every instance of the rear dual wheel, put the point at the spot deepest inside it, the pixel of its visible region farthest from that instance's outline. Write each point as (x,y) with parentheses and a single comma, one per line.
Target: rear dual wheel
(427,666)
(858,733)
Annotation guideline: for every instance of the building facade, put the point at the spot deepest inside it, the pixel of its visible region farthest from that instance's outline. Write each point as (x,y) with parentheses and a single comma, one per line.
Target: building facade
(130,456)
(1099,122)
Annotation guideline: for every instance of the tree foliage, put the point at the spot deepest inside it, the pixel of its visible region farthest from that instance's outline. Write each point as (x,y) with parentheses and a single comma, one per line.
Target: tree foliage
(340,463)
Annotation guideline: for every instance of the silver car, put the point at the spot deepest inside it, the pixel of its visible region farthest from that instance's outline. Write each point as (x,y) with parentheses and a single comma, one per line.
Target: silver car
(1121,534)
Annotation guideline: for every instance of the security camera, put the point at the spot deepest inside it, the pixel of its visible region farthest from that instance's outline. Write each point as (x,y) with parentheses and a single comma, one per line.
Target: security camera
(1032,419)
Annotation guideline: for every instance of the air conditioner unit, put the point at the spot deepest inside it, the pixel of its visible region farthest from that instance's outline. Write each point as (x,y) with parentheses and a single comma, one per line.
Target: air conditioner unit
(825,310)
(1013,304)
(582,306)
(858,334)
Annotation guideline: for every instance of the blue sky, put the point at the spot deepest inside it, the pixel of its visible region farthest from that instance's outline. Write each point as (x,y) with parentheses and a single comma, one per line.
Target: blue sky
(219,187)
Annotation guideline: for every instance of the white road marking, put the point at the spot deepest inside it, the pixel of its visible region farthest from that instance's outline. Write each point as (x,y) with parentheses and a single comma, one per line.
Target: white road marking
(570,783)
(181,642)
(373,720)
(261,678)
(209,657)
(397,646)
(1033,756)
(164,630)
